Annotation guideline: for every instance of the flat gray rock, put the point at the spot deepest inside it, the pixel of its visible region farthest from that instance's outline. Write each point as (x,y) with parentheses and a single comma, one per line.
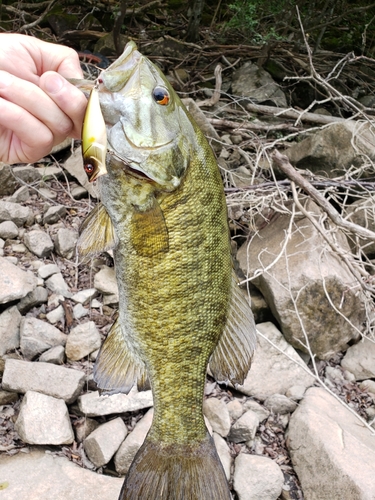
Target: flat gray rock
(54,214)
(66,242)
(34,298)
(103,442)
(44,420)
(218,415)
(38,242)
(52,380)
(105,281)
(14,212)
(14,283)
(37,336)
(10,321)
(332,453)
(8,230)
(82,340)
(41,476)
(58,285)
(360,360)
(93,405)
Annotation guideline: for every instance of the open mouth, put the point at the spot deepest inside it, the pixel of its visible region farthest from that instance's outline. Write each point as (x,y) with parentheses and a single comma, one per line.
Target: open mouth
(138,174)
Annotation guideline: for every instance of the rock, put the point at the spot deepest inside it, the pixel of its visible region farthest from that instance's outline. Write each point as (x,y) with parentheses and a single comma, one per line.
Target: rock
(54,355)
(54,214)
(128,449)
(217,413)
(38,242)
(244,428)
(51,380)
(360,212)
(14,212)
(207,128)
(8,182)
(84,427)
(56,315)
(224,453)
(22,194)
(332,453)
(14,283)
(105,281)
(274,370)
(360,359)
(235,409)
(35,298)
(47,270)
(8,230)
(78,192)
(79,311)
(82,340)
(49,173)
(57,284)
(93,405)
(27,173)
(37,336)
(44,420)
(334,149)
(305,269)
(257,477)
(258,409)
(84,296)
(45,477)
(280,404)
(10,321)
(74,166)
(111,300)
(103,442)
(368,386)
(66,242)
(252,81)
(296,392)
(7,398)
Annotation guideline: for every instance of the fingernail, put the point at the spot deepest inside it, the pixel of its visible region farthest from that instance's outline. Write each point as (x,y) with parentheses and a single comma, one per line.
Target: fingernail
(53,83)
(5,79)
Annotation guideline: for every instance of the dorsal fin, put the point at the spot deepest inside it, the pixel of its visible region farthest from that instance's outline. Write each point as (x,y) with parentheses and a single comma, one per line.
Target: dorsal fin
(149,233)
(97,233)
(116,368)
(231,359)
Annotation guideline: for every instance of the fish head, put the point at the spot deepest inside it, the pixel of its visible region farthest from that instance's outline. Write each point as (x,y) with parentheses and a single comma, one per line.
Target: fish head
(148,127)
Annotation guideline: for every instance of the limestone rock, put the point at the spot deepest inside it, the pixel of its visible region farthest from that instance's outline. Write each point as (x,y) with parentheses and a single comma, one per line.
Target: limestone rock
(79,311)
(84,427)
(280,404)
(82,340)
(218,415)
(244,428)
(38,242)
(14,283)
(58,285)
(360,359)
(35,298)
(301,278)
(44,420)
(37,336)
(47,270)
(258,409)
(257,477)
(252,81)
(84,296)
(93,405)
(54,214)
(8,230)
(128,449)
(74,166)
(46,477)
(8,182)
(56,315)
(332,453)
(14,212)
(368,386)
(48,173)
(334,149)
(272,372)
(103,442)
(66,242)
(27,173)
(10,321)
(224,453)
(56,381)
(235,409)
(105,281)
(360,212)
(54,355)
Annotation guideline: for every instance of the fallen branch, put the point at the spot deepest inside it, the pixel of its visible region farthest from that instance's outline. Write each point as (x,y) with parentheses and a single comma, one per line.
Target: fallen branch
(283,163)
(248,125)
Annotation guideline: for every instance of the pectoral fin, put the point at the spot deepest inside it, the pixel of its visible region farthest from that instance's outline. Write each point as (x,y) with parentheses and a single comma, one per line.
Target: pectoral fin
(116,368)
(149,233)
(97,233)
(231,358)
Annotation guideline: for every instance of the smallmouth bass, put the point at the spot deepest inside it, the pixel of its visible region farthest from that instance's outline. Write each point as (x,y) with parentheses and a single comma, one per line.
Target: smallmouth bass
(163,212)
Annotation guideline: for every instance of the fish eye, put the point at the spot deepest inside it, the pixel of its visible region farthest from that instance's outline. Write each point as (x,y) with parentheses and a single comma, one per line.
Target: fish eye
(88,168)
(161,95)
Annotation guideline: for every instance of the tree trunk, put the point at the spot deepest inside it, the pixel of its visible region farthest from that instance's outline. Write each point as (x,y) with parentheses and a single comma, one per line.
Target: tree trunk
(192,34)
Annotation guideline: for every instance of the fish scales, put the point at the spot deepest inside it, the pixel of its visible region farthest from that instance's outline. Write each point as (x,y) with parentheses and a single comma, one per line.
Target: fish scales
(164,213)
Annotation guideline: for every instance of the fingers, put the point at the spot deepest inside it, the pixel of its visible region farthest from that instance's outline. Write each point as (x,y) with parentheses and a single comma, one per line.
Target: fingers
(68,99)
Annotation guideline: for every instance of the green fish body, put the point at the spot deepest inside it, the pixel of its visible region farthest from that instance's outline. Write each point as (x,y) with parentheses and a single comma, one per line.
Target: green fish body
(164,214)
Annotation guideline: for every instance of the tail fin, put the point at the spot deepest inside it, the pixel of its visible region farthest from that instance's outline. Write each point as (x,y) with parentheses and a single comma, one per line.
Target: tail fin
(176,472)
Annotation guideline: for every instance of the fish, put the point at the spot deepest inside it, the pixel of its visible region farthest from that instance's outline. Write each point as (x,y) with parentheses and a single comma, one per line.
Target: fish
(163,214)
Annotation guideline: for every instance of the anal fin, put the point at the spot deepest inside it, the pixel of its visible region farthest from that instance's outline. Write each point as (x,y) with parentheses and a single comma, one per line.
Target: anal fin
(97,233)
(149,233)
(231,359)
(116,368)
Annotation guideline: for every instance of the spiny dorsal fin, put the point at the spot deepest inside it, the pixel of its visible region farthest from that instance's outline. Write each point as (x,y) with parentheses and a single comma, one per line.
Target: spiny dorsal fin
(231,359)
(149,233)
(116,369)
(97,233)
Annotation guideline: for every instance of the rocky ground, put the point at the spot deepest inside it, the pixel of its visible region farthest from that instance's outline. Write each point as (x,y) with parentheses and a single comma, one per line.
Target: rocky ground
(292,431)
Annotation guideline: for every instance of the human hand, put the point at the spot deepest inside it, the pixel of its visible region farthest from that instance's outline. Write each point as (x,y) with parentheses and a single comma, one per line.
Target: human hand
(38,107)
